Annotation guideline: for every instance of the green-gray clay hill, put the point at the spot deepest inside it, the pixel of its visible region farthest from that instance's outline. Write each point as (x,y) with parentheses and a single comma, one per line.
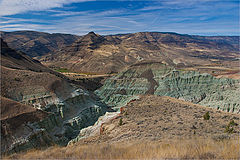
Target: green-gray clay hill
(163,80)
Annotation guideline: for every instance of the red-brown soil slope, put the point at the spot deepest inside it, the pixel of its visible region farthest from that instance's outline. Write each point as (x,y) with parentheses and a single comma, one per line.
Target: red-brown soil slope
(22,75)
(14,114)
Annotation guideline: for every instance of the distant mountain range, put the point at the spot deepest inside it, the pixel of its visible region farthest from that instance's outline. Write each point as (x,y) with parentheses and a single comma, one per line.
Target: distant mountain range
(112,53)
(37,43)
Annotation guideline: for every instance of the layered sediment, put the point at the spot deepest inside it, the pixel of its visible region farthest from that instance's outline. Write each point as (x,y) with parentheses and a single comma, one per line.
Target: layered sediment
(162,80)
(62,121)
(40,107)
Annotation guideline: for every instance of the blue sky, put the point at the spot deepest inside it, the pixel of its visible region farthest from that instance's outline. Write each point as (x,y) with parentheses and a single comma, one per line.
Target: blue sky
(200,17)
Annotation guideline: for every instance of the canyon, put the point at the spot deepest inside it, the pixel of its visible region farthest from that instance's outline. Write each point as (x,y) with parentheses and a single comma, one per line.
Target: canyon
(61,89)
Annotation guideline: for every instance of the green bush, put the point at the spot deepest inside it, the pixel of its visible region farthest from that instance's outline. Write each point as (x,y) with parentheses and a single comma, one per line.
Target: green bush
(206,116)
(62,70)
(232,123)
(120,122)
(229,128)
(17,79)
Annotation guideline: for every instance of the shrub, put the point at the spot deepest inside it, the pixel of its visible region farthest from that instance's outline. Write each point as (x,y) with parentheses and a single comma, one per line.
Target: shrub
(229,128)
(232,123)
(206,116)
(120,122)
(17,79)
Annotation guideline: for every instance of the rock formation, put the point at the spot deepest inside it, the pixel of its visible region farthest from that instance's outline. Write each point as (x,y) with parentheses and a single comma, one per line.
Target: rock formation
(160,79)
(39,106)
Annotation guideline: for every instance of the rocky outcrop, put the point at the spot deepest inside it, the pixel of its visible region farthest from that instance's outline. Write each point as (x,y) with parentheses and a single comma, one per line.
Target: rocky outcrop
(96,128)
(160,79)
(65,118)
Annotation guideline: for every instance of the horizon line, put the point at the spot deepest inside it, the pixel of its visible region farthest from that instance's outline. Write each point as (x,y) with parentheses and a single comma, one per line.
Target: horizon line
(126,33)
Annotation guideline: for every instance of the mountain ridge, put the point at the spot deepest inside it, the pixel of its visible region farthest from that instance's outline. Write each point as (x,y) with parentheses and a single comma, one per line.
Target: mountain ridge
(35,43)
(113,53)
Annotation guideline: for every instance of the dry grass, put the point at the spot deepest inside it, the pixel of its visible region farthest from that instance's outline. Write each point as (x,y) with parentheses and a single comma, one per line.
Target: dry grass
(183,149)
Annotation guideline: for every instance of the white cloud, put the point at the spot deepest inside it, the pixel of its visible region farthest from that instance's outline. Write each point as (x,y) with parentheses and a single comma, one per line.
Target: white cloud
(149,8)
(68,13)
(79,23)
(174,4)
(184,18)
(11,7)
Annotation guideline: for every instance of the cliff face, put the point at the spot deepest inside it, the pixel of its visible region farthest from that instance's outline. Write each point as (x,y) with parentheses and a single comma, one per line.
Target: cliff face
(41,107)
(62,122)
(159,79)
